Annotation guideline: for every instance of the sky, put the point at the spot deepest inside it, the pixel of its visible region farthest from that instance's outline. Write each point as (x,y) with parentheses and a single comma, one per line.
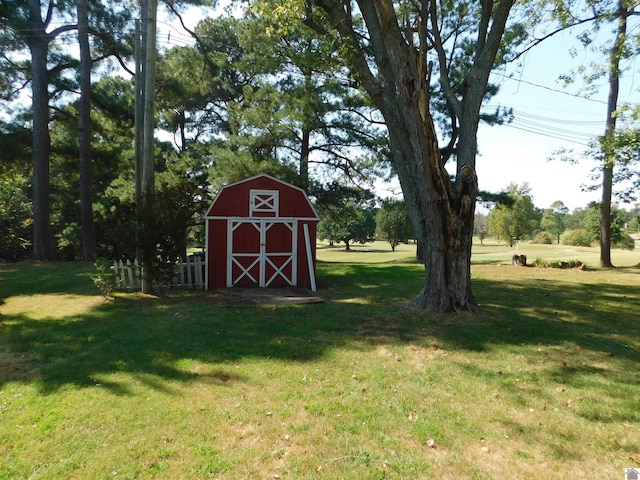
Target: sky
(547,117)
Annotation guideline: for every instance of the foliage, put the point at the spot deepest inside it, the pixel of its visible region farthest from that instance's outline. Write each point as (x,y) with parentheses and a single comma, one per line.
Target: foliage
(592,218)
(346,215)
(553,219)
(177,205)
(104,278)
(15,223)
(577,238)
(268,104)
(515,222)
(624,147)
(392,222)
(15,201)
(626,242)
(350,223)
(481,226)
(540,262)
(543,238)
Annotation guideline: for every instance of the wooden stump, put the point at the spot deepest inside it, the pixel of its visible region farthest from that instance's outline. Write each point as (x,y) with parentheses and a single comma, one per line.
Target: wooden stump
(520,260)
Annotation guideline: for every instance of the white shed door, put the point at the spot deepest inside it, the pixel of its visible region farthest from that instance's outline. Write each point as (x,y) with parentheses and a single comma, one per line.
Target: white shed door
(261,252)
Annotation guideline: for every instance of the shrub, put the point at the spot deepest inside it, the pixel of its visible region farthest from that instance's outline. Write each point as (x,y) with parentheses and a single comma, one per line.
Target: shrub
(543,238)
(105,277)
(540,262)
(576,238)
(626,242)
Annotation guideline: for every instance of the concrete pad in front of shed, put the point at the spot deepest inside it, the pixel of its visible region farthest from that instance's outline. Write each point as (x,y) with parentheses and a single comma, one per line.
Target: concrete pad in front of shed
(266,296)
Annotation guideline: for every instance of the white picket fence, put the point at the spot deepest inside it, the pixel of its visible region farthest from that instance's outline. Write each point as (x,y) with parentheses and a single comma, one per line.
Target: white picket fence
(187,273)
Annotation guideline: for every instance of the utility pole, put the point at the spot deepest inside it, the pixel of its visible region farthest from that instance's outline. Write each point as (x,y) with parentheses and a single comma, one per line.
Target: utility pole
(147,179)
(139,39)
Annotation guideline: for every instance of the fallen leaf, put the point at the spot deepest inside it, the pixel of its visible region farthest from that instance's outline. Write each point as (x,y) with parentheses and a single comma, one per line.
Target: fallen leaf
(413,416)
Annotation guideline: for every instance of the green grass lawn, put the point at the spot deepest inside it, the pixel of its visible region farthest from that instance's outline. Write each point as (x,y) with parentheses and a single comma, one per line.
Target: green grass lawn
(490,252)
(544,383)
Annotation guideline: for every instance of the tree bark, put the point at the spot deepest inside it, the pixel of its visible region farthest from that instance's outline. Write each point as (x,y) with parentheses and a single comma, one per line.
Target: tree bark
(148,160)
(442,211)
(38,45)
(610,129)
(84,136)
(304,157)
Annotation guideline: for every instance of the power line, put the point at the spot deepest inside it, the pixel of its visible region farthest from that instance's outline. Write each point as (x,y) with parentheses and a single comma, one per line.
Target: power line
(544,87)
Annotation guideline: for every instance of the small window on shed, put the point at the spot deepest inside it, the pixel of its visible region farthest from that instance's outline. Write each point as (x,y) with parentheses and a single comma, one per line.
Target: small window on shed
(264,203)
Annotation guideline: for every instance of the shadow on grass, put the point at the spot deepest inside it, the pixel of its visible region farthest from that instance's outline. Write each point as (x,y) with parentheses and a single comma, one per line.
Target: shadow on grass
(36,278)
(150,337)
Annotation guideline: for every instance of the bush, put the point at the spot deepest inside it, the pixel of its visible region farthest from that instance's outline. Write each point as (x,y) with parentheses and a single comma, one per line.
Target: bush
(540,262)
(543,238)
(105,277)
(626,242)
(576,238)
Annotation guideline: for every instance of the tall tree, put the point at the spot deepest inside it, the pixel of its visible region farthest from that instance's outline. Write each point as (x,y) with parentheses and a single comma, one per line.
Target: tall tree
(347,215)
(31,31)
(392,222)
(621,46)
(553,219)
(30,21)
(84,134)
(615,56)
(481,226)
(276,102)
(517,221)
(393,48)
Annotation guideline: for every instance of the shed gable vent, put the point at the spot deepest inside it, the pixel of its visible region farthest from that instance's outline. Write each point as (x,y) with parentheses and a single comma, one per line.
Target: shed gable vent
(264,203)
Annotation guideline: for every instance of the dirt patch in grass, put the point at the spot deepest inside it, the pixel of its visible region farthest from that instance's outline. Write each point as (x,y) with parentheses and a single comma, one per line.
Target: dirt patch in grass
(266,296)
(15,366)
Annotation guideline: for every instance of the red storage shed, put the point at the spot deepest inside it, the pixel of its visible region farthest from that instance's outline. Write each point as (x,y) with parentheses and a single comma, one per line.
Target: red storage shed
(261,232)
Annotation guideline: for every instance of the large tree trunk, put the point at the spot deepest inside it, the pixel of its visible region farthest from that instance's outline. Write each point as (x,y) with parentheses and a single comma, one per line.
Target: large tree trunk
(148,165)
(610,129)
(84,136)
(38,44)
(447,230)
(441,210)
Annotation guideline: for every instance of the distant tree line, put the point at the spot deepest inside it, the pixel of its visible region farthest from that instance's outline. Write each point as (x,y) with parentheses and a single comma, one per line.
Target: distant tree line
(522,221)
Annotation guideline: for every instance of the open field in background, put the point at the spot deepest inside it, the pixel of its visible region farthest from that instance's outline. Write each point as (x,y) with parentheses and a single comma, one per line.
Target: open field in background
(490,252)
(544,383)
